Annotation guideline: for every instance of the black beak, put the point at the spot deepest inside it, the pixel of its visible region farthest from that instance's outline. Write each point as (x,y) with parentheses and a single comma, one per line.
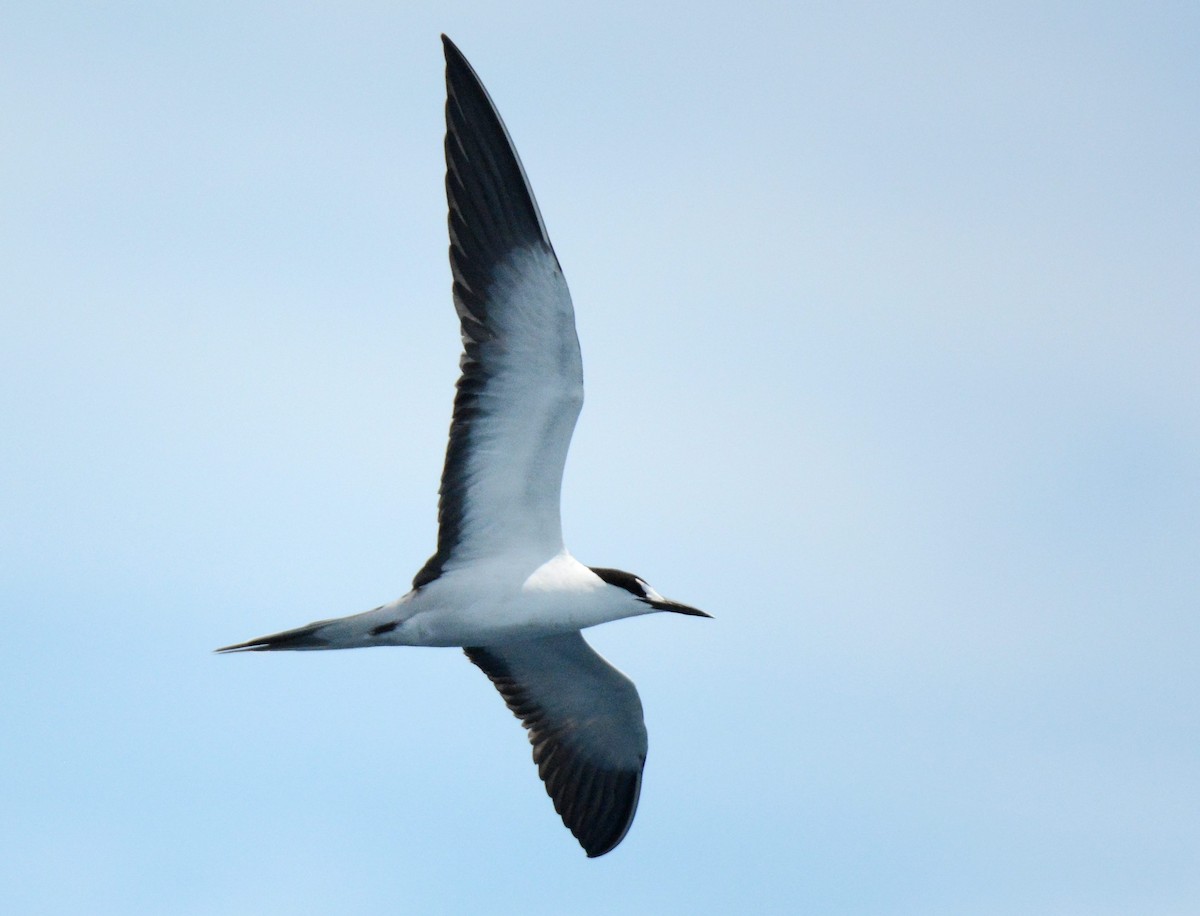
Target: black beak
(677,608)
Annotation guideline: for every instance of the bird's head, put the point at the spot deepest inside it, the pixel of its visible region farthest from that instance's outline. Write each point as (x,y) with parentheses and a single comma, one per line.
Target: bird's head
(640,589)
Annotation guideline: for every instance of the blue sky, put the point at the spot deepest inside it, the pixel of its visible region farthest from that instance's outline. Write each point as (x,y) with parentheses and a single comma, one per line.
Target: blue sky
(890,319)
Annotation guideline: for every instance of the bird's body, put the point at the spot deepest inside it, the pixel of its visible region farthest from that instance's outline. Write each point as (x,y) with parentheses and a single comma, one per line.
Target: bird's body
(495,601)
(502,584)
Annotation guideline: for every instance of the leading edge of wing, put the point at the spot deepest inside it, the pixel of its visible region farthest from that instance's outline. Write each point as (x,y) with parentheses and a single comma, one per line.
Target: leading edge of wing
(585,724)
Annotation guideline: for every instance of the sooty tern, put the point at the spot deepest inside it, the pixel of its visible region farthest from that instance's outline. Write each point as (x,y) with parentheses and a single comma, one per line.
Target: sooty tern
(502,585)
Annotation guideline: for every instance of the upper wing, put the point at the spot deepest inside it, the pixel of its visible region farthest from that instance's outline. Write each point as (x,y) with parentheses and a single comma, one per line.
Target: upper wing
(522,378)
(585,723)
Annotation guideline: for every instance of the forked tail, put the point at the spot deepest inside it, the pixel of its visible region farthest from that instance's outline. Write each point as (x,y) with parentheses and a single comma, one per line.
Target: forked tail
(372,628)
(300,638)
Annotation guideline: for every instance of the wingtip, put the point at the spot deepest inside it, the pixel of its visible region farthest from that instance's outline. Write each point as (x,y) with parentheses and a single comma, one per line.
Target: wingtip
(450,49)
(605,848)
(601,842)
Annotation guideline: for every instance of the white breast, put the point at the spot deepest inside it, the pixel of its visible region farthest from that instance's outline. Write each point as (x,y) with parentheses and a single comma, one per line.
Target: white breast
(504,599)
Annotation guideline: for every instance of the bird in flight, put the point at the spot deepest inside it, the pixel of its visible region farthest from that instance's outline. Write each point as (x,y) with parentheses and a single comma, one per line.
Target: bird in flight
(502,585)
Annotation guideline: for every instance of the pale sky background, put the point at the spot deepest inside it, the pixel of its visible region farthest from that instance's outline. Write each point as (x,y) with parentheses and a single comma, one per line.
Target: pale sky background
(891,326)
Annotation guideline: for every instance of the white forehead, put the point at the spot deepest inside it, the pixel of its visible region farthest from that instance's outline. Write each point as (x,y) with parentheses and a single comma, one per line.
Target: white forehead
(648,591)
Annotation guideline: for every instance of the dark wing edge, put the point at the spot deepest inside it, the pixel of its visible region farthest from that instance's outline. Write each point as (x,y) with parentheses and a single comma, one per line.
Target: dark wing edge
(585,724)
(492,211)
(486,185)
